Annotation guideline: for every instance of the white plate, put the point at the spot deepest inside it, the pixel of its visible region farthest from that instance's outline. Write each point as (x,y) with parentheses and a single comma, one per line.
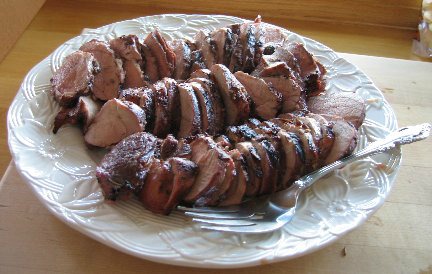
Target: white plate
(60,169)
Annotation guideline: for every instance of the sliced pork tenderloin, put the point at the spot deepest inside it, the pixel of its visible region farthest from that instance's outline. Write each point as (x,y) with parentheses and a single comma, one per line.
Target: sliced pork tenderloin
(190,123)
(143,97)
(206,46)
(326,142)
(162,116)
(134,76)
(292,167)
(234,95)
(115,121)
(210,169)
(348,105)
(235,193)
(82,113)
(291,92)
(174,111)
(267,101)
(206,108)
(127,47)
(165,56)
(124,169)
(166,184)
(74,78)
(151,66)
(216,102)
(107,82)
(345,139)
(269,165)
(310,149)
(183,53)
(255,172)
(197,61)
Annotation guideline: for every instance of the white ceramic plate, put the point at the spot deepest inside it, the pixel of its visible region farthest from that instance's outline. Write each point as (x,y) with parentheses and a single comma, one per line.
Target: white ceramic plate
(60,169)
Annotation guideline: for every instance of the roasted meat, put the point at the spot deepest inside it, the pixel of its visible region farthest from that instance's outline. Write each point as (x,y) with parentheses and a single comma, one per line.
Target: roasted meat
(234,95)
(106,83)
(115,121)
(74,78)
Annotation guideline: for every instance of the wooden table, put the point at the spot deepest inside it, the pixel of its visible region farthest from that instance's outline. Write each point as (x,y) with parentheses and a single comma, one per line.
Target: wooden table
(395,240)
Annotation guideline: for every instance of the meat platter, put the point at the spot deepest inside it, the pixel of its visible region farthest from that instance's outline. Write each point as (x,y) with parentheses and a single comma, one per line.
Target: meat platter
(70,176)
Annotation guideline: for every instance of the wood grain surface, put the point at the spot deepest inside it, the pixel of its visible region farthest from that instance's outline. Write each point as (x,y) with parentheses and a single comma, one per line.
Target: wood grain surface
(14,19)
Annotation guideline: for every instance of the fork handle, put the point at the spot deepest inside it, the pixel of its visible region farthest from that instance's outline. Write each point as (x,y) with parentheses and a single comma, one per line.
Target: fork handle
(397,138)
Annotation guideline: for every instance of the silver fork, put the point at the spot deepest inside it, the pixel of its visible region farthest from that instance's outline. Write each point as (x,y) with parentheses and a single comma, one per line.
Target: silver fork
(269,213)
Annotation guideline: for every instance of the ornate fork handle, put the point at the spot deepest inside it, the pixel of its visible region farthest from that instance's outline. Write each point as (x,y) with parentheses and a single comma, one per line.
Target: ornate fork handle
(288,198)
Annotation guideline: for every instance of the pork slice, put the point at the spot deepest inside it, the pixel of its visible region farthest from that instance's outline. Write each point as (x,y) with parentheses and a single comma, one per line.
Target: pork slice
(305,59)
(259,43)
(255,173)
(211,171)
(127,47)
(293,166)
(291,92)
(115,121)
(143,97)
(348,105)
(166,184)
(190,123)
(74,78)
(134,76)
(216,101)
(197,61)
(218,38)
(182,50)
(206,46)
(234,95)
(157,187)
(200,146)
(267,101)
(326,142)
(151,67)
(200,73)
(106,83)
(282,54)
(147,103)
(173,104)
(124,169)
(169,147)
(206,108)
(273,69)
(314,127)
(273,36)
(236,60)
(234,195)
(82,113)
(247,36)
(162,116)
(213,195)
(185,172)
(345,139)
(310,149)
(165,56)
(269,165)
